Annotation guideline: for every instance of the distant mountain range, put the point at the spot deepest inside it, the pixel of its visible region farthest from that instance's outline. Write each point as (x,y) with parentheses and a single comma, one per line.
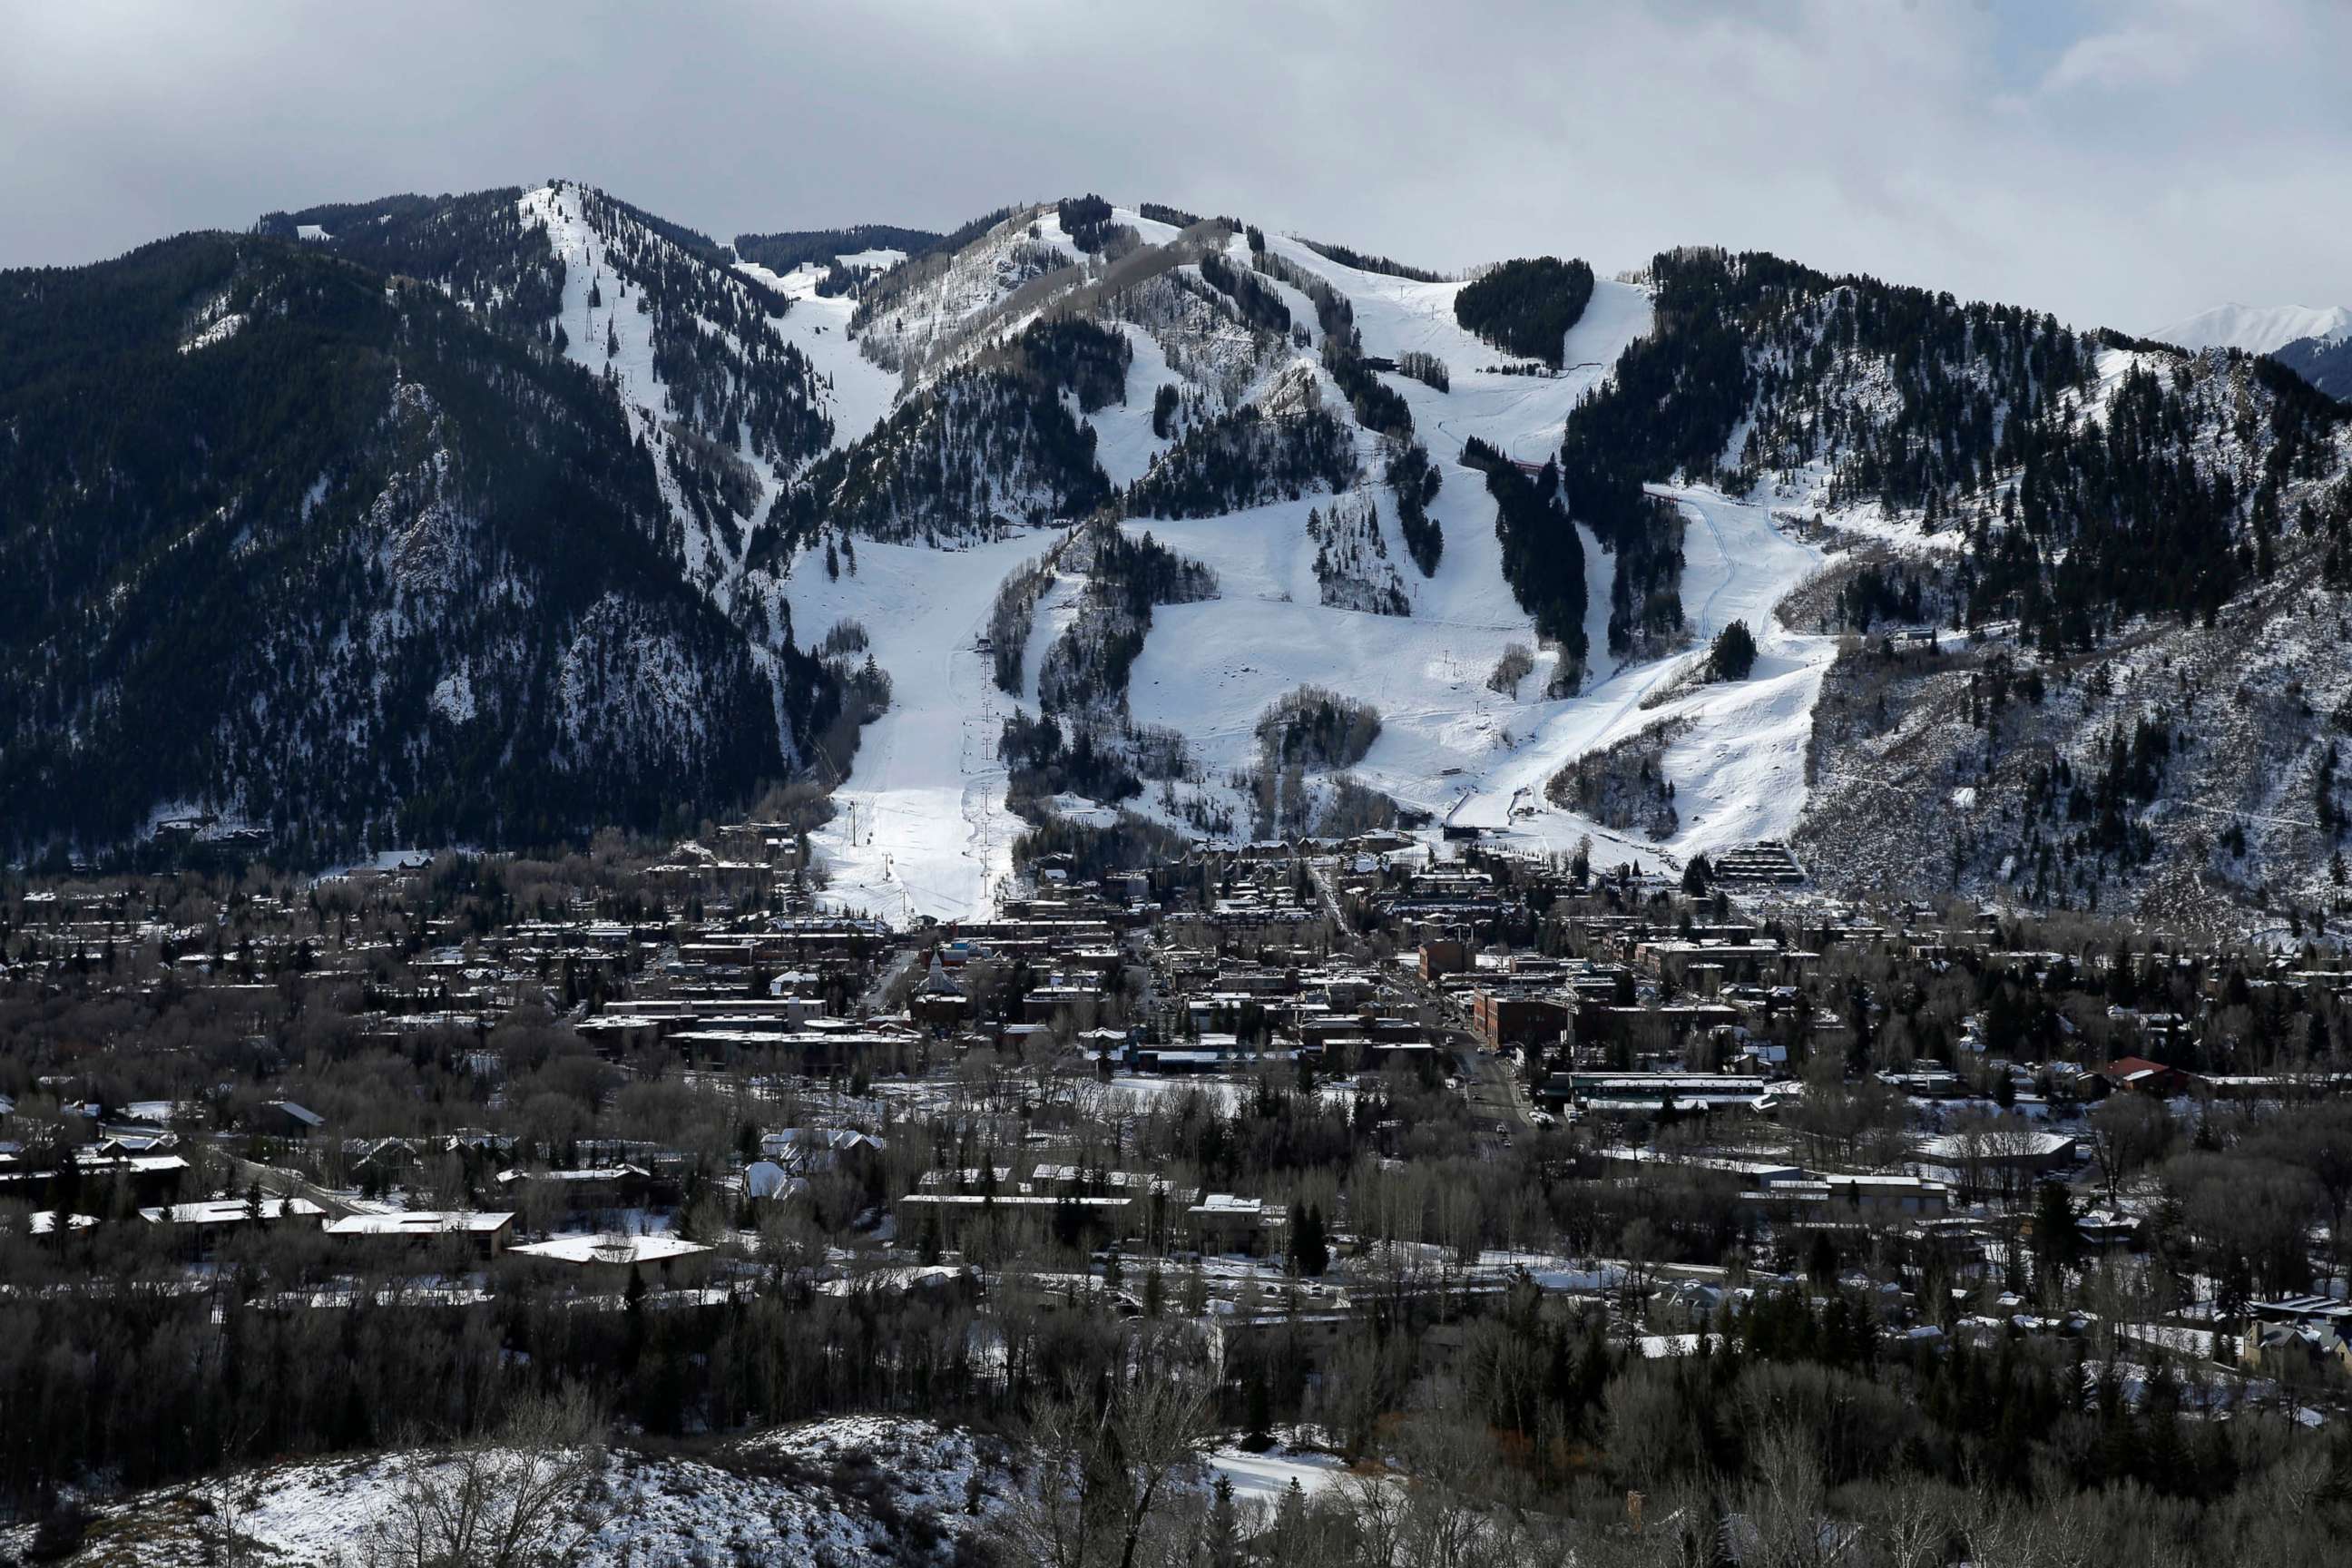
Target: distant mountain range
(1093,529)
(2316,341)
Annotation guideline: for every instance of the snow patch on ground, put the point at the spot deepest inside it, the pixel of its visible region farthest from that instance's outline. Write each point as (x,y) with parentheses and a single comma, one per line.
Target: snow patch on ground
(453,698)
(216,323)
(1264,1477)
(740,1505)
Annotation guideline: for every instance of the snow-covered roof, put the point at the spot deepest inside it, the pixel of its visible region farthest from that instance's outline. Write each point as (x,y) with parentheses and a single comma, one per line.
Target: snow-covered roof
(585,1250)
(231,1211)
(422,1222)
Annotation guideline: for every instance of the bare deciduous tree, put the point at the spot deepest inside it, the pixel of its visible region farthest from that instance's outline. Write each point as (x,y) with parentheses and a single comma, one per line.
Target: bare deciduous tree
(1104,1459)
(523,1499)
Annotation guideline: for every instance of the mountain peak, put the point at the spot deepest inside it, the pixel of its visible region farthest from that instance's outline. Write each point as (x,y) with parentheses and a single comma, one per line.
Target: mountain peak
(2257,329)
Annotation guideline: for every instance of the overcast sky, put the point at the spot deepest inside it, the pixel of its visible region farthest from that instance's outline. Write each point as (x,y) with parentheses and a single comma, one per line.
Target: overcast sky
(2120,162)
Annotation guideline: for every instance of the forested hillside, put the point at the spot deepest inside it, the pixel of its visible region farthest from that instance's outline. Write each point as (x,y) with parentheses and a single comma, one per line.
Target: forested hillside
(2105,532)
(2325,363)
(2086,489)
(287,542)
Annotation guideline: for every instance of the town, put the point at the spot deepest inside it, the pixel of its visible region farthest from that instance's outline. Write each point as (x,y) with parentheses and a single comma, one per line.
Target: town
(1368,1115)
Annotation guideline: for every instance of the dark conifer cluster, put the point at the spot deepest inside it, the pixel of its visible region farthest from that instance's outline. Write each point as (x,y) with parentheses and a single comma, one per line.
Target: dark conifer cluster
(1543,558)
(1733,653)
(1246,458)
(1414,479)
(1043,764)
(1259,306)
(1377,407)
(1085,219)
(1526,307)
(1313,728)
(1361,262)
(783,251)
(475,246)
(1069,351)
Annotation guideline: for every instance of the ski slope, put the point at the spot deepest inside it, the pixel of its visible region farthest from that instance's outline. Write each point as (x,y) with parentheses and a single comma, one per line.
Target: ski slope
(920,826)
(859,393)
(1448,744)
(1522,416)
(1738,774)
(923,828)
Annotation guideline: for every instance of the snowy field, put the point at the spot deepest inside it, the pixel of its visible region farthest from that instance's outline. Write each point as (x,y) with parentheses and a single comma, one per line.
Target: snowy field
(1264,1479)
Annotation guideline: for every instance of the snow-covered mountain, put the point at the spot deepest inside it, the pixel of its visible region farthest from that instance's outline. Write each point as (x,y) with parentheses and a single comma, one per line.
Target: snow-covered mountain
(2257,329)
(1829,456)
(1097,529)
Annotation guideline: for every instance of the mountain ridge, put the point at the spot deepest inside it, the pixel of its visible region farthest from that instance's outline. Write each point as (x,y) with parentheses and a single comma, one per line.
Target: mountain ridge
(2262,330)
(1510,558)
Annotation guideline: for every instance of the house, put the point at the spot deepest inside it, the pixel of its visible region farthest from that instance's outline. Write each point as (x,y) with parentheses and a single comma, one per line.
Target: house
(2324,1313)
(766,1179)
(1648,1093)
(2279,1348)
(2138,1075)
(389,1157)
(2000,1148)
(2105,1230)
(592,1189)
(939,1000)
(197,1228)
(151,1178)
(284,1118)
(1503,1020)
(397,1235)
(612,1258)
(1086,1221)
(807,1151)
(1223,1223)
(1838,1198)
(1442,956)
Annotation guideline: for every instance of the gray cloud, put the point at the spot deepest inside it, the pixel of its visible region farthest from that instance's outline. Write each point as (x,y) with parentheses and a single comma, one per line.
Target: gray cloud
(2117,161)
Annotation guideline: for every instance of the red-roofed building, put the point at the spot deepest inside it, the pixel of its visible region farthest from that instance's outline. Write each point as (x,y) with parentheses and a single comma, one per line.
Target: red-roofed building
(2140,1076)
